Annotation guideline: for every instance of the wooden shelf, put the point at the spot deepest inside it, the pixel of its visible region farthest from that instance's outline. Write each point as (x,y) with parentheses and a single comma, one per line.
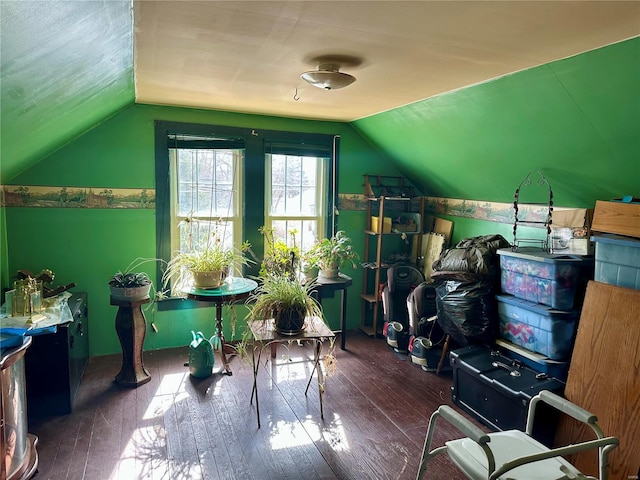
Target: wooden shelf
(368,298)
(373,265)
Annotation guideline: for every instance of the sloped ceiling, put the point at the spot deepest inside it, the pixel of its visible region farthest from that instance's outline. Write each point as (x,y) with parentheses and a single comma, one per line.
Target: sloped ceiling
(67,65)
(248,56)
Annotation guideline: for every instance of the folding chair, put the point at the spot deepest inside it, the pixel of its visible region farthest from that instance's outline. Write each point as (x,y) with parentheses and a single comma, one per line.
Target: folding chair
(513,454)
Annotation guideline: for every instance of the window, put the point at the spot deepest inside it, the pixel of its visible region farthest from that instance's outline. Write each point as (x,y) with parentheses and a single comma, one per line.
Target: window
(295,186)
(205,193)
(230,181)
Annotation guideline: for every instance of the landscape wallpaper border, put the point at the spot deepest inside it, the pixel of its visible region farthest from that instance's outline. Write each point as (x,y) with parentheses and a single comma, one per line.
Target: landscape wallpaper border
(33,196)
(77,197)
(499,212)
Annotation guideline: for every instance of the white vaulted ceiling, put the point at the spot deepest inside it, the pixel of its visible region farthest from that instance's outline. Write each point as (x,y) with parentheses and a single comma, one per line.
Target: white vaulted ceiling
(248,56)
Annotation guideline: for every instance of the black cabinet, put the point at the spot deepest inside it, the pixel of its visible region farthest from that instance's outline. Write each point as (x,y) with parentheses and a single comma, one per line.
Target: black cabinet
(55,362)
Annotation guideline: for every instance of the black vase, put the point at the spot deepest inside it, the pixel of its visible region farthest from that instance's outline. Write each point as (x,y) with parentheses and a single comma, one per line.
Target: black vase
(289,322)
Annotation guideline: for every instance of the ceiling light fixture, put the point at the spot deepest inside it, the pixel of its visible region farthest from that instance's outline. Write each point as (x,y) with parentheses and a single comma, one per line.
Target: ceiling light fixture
(328,77)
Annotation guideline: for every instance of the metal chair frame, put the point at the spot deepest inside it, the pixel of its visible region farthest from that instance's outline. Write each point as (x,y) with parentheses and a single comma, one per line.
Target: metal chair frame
(603,444)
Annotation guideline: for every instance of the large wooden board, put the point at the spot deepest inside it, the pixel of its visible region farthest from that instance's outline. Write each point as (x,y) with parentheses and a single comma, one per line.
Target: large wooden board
(604,376)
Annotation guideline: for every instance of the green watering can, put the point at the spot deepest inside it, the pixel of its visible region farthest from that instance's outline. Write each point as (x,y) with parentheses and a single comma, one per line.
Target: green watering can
(201,358)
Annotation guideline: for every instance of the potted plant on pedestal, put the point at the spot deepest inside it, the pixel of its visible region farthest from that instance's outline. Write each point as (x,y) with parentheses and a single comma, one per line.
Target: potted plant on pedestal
(331,254)
(131,285)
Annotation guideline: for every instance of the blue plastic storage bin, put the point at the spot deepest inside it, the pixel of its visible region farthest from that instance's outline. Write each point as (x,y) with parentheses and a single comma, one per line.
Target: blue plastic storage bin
(617,260)
(536,327)
(535,275)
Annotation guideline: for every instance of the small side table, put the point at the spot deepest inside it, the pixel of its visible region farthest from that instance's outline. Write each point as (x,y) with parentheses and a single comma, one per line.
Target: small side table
(233,290)
(265,334)
(131,326)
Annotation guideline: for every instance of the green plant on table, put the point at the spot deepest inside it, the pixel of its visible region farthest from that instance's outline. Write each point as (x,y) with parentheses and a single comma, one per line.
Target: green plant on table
(277,293)
(333,252)
(213,257)
(280,258)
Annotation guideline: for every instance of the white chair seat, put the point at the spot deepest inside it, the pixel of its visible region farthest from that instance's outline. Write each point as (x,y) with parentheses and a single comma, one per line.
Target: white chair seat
(507,446)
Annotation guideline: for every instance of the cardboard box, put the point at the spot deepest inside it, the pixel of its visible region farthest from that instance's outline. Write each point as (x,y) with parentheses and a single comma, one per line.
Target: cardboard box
(620,218)
(386,224)
(407,222)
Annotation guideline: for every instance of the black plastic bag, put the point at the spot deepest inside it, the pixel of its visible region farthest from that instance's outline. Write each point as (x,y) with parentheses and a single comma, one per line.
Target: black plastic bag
(466,307)
(475,255)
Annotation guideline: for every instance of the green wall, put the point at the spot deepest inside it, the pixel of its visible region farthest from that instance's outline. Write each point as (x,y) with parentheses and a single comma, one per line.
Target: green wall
(87,246)
(577,120)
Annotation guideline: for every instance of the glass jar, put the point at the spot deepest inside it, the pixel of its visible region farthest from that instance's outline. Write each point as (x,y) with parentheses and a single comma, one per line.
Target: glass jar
(27,299)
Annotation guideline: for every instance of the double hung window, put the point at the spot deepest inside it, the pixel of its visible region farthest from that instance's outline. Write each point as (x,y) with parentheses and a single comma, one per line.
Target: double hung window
(295,201)
(224,186)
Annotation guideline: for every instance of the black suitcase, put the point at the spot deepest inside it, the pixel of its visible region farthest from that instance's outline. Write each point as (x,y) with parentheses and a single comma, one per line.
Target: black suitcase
(497,390)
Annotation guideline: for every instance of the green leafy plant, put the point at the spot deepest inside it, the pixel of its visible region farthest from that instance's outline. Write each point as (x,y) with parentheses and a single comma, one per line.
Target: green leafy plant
(334,252)
(131,277)
(275,295)
(129,280)
(279,292)
(133,284)
(279,258)
(214,257)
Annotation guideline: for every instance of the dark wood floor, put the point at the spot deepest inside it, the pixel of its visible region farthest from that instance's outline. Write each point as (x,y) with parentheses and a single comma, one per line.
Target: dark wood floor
(376,408)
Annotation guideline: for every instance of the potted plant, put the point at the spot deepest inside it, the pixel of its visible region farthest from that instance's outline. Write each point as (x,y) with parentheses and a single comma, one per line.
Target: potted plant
(279,258)
(206,268)
(285,301)
(332,254)
(129,284)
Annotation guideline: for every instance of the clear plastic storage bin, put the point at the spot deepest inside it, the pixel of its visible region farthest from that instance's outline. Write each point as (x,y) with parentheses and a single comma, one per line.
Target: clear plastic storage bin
(617,260)
(535,275)
(536,327)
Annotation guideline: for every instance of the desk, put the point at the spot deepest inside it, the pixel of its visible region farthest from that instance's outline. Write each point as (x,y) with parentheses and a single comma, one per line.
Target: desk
(231,291)
(264,332)
(325,288)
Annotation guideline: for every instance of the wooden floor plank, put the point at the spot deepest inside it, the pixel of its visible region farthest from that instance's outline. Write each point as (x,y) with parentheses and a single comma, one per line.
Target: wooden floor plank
(376,408)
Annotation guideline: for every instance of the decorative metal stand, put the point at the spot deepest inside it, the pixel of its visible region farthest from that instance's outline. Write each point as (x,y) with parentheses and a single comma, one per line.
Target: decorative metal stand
(544,221)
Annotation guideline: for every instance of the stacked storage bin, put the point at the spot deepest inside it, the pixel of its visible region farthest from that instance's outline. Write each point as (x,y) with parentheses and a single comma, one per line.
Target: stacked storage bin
(539,307)
(617,242)
(617,260)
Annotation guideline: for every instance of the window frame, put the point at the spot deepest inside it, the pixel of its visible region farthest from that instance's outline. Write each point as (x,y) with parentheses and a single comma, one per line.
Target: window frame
(253,172)
(321,186)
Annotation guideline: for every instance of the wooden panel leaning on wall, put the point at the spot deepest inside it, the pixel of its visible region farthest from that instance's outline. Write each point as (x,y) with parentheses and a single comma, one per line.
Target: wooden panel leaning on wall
(604,377)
